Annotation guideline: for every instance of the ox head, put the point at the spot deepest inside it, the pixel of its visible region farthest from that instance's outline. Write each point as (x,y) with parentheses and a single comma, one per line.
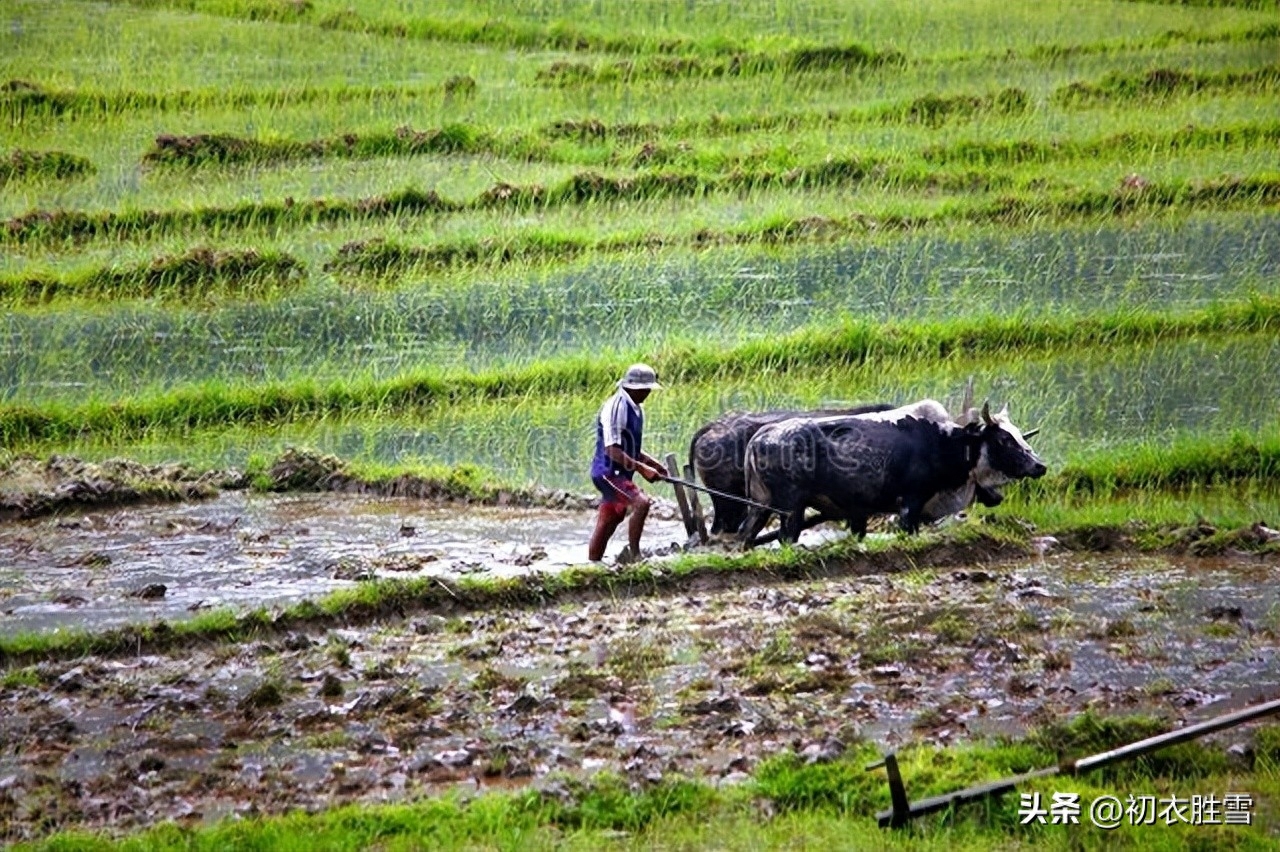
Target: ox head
(1005,454)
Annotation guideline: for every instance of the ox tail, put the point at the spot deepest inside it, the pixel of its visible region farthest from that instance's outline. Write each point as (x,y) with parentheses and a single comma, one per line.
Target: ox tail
(752,478)
(693,450)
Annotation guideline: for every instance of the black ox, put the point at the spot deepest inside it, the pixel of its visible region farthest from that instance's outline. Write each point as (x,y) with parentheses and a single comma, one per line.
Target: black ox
(718,454)
(853,467)
(718,451)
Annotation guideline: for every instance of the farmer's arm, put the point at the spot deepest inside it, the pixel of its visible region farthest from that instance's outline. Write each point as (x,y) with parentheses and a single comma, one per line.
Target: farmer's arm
(646,466)
(654,463)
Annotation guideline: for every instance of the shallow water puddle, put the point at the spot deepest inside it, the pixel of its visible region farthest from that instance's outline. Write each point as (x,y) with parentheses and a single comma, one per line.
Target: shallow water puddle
(249,550)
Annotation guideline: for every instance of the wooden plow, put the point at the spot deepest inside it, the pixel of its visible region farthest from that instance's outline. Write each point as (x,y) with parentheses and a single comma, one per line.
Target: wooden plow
(903,811)
(687,499)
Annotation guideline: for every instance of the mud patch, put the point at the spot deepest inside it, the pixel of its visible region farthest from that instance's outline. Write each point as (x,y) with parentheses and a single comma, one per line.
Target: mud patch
(701,684)
(247,551)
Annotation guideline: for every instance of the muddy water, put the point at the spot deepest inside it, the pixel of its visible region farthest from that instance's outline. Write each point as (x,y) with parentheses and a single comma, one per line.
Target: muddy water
(705,684)
(248,550)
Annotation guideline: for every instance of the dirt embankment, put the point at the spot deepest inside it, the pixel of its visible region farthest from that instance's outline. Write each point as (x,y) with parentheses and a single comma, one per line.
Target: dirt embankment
(31,487)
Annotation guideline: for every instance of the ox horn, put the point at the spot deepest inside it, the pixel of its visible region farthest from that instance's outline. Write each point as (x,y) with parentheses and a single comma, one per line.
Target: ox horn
(986,414)
(965,417)
(1031,433)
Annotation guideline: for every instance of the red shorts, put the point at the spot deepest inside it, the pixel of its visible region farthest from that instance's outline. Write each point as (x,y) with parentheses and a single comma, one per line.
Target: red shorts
(619,492)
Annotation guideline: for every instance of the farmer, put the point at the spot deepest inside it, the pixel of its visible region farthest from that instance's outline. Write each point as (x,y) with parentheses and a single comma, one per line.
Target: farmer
(619,430)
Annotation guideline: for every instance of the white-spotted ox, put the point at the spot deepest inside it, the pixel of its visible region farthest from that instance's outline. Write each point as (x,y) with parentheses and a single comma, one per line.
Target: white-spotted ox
(853,467)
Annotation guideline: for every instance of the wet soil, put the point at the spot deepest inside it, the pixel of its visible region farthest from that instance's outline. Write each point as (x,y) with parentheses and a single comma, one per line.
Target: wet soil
(168,561)
(701,684)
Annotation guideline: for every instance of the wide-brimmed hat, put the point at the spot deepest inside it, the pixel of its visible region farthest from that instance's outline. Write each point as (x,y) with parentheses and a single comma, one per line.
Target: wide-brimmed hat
(639,377)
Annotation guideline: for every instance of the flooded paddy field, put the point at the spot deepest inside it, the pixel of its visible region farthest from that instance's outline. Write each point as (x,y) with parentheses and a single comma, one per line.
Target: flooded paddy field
(108,568)
(1084,401)
(484,320)
(704,683)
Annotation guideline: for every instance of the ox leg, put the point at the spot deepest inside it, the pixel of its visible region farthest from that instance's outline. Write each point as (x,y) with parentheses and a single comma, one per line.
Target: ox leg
(809,523)
(857,525)
(718,509)
(756,519)
(728,516)
(909,516)
(793,525)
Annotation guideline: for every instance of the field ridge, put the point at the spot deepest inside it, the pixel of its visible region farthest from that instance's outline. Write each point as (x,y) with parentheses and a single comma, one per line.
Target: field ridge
(1228,192)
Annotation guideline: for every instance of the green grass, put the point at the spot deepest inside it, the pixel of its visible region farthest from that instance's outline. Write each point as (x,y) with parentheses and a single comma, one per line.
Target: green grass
(592,188)
(853,343)
(946,28)
(721,297)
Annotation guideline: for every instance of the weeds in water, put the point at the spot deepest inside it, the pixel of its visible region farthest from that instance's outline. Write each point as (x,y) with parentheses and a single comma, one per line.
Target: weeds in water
(633,660)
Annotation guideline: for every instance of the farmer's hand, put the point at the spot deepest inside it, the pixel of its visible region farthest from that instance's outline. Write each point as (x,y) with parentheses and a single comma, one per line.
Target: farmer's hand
(661,469)
(649,472)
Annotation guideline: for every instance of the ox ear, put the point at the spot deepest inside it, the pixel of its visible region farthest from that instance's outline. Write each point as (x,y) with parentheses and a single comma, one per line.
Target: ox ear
(986,414)
(1031,433)
(1003,414)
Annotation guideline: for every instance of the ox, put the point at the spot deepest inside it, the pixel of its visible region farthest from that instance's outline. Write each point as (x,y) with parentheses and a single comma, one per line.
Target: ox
(853,467)
(717,452)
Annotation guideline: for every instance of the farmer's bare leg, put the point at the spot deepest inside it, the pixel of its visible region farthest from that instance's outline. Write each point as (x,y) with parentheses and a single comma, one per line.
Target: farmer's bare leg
(635,527)
(608,517)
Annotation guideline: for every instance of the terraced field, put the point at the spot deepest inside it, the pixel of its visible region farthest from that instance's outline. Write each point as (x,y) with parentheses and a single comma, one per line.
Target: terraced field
(308,308)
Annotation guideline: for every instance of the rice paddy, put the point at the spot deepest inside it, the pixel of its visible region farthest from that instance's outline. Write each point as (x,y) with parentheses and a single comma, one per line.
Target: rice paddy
(426,238)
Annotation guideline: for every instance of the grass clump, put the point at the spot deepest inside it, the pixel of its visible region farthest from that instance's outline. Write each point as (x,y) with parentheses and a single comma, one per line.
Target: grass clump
(33,165)
(223,148)
(1016,151)
(1191,462)
(1167,82)
(817,58)
(22,101)
(198,274)
(935,110)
